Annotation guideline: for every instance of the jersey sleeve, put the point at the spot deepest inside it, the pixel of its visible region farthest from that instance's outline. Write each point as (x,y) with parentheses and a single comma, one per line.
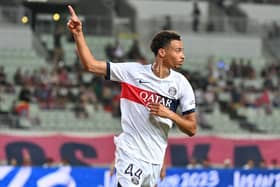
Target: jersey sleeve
(187,100)
(119,71)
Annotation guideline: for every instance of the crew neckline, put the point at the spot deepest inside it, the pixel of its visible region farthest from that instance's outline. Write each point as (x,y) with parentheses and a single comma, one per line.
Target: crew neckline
(165,78)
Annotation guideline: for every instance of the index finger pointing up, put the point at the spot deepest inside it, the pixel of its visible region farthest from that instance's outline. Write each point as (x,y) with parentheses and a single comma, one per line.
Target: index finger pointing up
(71,10)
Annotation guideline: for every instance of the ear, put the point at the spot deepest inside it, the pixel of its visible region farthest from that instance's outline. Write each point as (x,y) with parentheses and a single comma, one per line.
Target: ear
(161,52)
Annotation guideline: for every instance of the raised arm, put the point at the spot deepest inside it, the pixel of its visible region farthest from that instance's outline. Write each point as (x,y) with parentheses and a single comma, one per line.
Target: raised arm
(88,60)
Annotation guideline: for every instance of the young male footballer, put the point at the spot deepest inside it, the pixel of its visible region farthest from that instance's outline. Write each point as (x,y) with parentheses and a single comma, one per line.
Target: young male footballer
(149,99)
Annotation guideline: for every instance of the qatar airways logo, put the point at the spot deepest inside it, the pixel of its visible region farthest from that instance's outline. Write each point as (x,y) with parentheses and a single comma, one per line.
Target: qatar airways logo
(154,98)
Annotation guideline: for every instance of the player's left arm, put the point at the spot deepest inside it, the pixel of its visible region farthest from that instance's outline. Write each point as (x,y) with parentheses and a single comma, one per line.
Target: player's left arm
(186,123)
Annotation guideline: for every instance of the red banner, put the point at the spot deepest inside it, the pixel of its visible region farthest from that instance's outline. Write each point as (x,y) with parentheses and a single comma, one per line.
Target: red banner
(99,150)
(223,148)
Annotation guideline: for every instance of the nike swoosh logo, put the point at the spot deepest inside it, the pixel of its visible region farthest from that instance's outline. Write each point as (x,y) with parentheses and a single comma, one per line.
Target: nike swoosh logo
(143,82)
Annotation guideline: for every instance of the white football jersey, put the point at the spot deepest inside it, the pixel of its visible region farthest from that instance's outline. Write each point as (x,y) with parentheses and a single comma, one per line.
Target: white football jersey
(145,136)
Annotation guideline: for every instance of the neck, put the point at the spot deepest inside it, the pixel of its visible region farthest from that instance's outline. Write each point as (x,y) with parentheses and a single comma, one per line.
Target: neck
(159,70)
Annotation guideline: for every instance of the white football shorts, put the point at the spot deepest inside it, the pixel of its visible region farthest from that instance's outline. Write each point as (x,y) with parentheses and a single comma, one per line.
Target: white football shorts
(132,172)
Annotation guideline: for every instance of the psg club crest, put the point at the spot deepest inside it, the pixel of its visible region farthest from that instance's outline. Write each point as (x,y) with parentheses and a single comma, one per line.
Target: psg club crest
(134,180)
(172,91)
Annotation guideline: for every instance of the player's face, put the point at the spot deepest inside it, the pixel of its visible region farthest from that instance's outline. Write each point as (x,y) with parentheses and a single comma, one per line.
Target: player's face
(174,54)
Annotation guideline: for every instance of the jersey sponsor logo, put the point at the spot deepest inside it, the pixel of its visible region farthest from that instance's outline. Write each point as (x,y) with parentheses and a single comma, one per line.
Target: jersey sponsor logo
(148,97)
(145,97)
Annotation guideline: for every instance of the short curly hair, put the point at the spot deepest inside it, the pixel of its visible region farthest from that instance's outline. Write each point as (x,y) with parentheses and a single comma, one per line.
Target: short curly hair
(163,39)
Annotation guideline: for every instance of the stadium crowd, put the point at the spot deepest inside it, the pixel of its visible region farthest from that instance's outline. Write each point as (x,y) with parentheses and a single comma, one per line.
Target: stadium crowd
(68,87)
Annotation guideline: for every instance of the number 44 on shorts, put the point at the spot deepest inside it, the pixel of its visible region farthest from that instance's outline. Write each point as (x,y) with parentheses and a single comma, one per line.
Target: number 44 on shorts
(135,175)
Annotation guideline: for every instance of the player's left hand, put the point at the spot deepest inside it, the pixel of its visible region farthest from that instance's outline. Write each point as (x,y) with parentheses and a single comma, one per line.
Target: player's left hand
(162,173)
(159,110)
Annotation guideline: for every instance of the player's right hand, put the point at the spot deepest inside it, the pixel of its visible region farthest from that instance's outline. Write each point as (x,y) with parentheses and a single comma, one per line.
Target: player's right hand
(74,24)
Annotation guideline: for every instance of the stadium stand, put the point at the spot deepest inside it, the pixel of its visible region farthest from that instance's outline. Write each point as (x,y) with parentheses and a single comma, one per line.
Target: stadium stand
(264,14)
(228,46)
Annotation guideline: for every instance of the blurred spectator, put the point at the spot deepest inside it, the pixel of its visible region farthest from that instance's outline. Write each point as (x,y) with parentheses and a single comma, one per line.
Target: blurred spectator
(274,30)
(210,98)
(98,83)
(118,52)
(276,98)
(25,93)
(249,165)
(26,160)
(4,83)
(268,82)
(202,121)
(262,164)
(248,98)
(3,76)
(109,51)
(35,77)
(21,110)
(212,71)
(167,23)
(43,94)
(193,164)
(143,60)
(88,96)
(44,76)
(220,3)
(49,162)
(13,162)
(107,98)
(53,78)
(210,27)
(199,97)
(18,79)
(227,163)
(64,162)
(195,17)
(80,109)
(236,97)
(264,101)
(116,112)
(233,68)
(206,163)
(26,77)
(249,70)
(63,77)
(134,53)
(61,97)
(58,54)
(274,164)
(241,69)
